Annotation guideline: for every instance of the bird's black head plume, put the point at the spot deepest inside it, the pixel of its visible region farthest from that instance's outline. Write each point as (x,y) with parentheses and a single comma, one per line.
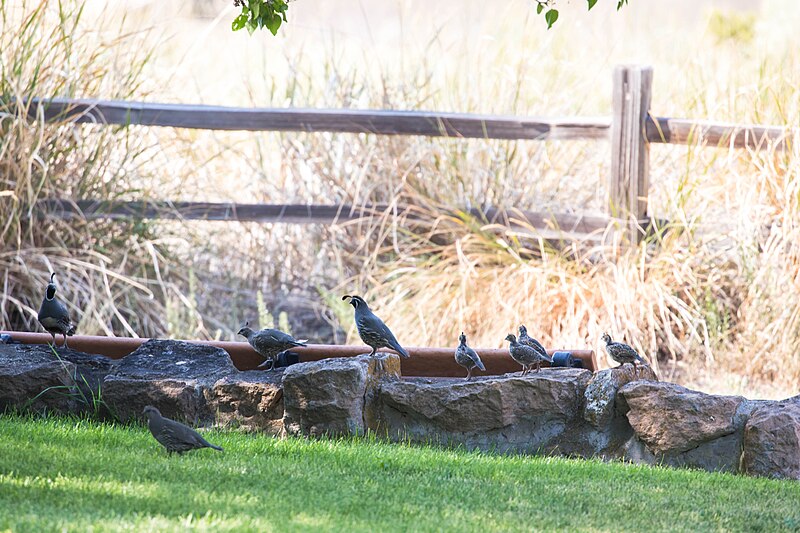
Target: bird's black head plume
(355,301)
(50,293)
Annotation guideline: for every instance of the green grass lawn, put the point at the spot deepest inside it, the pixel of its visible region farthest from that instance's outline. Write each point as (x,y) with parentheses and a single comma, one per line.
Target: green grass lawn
(64,474)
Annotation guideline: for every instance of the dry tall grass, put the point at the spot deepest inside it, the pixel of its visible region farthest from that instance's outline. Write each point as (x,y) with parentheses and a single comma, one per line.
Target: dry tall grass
(107,271)
(715,303)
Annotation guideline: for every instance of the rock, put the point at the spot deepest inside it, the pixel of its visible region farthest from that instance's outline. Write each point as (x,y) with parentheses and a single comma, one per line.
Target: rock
(33,378)
(772,440)
(334,396)
(601,393)
(249,400)
(669,418)
(170,375)
(507,413)
(91,370)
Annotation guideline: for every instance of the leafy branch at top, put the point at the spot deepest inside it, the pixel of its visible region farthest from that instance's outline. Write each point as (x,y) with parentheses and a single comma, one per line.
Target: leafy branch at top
(551,13)
(270,14)
(257,14)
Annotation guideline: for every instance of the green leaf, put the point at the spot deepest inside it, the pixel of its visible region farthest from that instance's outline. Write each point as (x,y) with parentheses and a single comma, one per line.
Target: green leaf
(592,3)
(255,7)
(273,23)
(551,17)
(239,22)
(251,26)
(539,9)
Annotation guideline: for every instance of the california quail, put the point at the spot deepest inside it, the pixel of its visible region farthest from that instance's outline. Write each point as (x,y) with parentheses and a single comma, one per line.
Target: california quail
(525,355)
(371,329)
(53,316)
(174,436)
(527,340)
(621,352)
(268,343)
(467,357)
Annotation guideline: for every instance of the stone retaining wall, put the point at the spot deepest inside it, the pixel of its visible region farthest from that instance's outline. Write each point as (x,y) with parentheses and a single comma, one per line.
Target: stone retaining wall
(614,414)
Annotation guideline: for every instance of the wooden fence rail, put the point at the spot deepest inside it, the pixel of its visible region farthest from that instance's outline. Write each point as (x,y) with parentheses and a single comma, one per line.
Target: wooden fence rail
(379,122)
(556,226)
(631,129)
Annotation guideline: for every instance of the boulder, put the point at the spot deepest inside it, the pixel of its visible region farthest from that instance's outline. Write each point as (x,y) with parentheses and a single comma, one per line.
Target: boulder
(334,396)
(171,375)
(772,440)
(32,377)
(90,371)
(249,400)
(601,393)
(669,418)
(509,413)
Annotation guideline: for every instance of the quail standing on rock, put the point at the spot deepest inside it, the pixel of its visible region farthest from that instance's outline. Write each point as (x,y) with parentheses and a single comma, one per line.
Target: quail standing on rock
(371,329)
(174,436)
(467,357)
(527,340)
(268,343)
(525,355)
(622,353)
(53,315)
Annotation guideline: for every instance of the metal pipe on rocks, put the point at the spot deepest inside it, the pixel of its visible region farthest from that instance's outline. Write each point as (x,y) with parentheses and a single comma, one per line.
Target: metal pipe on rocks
(424,361)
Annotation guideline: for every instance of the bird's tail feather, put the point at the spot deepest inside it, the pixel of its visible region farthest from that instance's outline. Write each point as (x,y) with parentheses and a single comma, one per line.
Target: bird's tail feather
(214,446)
(479,364)
(399,349)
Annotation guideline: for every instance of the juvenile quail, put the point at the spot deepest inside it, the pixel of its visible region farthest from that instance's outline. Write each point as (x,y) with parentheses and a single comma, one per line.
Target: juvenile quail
(527,340)
(467,357)
(371,329)
(268,343)
(622,353)
(174,436)
(525,355)
(53,315)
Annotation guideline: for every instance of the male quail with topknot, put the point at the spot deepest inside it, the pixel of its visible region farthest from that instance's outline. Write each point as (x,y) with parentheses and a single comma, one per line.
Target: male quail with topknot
(525,355)
(174,436)
(467,357)
(53,315)
(371,329)
(268,343)
(622,353)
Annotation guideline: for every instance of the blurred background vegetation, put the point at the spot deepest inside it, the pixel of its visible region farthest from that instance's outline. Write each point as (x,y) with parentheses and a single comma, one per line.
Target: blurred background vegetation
(716,305)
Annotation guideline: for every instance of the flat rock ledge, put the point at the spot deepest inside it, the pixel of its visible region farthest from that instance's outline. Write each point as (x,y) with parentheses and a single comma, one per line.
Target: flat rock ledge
(612,414)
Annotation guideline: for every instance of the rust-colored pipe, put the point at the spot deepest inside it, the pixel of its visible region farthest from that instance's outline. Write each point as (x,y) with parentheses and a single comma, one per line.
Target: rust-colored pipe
(427,362)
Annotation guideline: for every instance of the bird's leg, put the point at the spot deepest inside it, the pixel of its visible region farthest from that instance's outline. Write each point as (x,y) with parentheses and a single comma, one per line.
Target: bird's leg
(53,345)
(469,374)
(65,340)
(373,352)
(538,365)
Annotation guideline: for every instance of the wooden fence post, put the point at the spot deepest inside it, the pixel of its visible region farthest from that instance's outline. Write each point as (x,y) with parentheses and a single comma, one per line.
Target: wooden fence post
(630,152)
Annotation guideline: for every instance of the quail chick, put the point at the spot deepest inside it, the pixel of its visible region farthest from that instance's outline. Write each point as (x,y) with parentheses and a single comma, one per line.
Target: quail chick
(467,357)
(174,436)
(622,353)
(371,329)
(527,340)
(525,355)
(53,315)
(268,343)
